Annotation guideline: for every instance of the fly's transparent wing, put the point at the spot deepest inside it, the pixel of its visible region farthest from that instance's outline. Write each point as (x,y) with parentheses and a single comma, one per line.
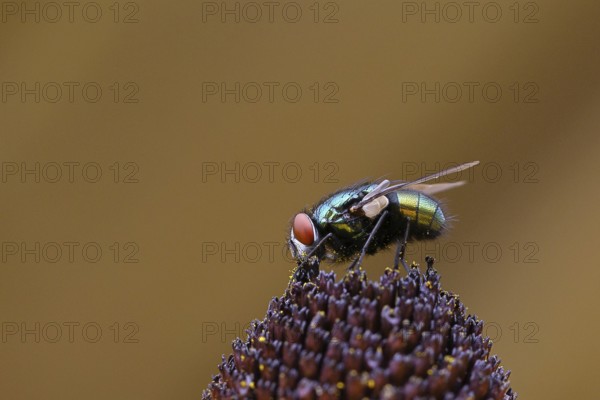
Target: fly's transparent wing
(385,186)
(434,187)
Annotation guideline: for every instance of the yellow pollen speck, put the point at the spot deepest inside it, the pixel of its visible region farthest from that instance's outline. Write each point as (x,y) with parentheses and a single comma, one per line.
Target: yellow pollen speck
(243,383)
(449,359)
(243,357)
(340,385)
(252,385)
(262,339)
(428,284)
(371,383)
(261,367)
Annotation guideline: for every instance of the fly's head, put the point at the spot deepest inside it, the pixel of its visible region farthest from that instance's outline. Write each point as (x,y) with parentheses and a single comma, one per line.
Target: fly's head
(304,239)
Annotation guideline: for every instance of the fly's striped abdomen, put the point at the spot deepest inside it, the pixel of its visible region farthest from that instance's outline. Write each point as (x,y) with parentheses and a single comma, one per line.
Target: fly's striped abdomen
(426,216)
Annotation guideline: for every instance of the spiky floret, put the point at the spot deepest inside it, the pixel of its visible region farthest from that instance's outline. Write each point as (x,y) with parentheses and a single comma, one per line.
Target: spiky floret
(401,337)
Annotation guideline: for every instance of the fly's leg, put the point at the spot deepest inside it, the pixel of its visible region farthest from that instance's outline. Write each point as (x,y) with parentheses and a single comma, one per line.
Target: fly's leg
(303,272)
(314,250)
(401,248)
(356,263)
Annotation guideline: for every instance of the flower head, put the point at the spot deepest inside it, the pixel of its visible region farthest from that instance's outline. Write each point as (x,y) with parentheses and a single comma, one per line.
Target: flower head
(399,338)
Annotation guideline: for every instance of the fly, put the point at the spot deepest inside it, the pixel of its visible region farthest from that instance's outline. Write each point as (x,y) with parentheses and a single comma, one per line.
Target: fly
(365,218)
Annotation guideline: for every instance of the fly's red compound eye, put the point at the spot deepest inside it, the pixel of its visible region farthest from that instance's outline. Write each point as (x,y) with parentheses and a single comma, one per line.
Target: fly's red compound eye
(303,229)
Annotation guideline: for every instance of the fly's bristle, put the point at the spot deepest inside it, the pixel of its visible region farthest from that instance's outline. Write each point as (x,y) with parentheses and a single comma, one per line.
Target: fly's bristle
(449,223)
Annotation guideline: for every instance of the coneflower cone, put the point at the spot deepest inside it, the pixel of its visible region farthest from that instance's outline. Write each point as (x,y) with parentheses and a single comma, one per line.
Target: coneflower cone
(399,338)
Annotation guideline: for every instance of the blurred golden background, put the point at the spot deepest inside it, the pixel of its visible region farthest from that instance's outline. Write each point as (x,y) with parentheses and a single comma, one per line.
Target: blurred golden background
(152,156)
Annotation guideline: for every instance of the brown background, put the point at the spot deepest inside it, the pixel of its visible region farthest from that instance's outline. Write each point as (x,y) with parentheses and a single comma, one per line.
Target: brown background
(188,304)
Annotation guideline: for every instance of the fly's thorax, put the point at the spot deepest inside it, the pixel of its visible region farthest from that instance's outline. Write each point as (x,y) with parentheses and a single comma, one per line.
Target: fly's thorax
(332,215)
(426,216)
(343,225)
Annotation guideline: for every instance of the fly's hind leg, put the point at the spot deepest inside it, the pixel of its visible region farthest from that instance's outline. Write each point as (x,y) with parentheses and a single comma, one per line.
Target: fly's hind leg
(356,263)
(401,248)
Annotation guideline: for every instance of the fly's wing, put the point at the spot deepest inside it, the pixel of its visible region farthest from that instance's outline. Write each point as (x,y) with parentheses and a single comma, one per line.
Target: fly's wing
(434,187)
(386,187)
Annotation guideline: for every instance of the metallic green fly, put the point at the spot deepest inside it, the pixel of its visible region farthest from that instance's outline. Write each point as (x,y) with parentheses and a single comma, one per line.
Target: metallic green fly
(367,217)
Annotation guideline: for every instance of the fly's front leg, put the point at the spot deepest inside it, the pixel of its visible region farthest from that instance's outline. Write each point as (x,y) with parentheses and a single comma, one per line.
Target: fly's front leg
(301,274)
(306,271)
(401,248)
(356,263)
